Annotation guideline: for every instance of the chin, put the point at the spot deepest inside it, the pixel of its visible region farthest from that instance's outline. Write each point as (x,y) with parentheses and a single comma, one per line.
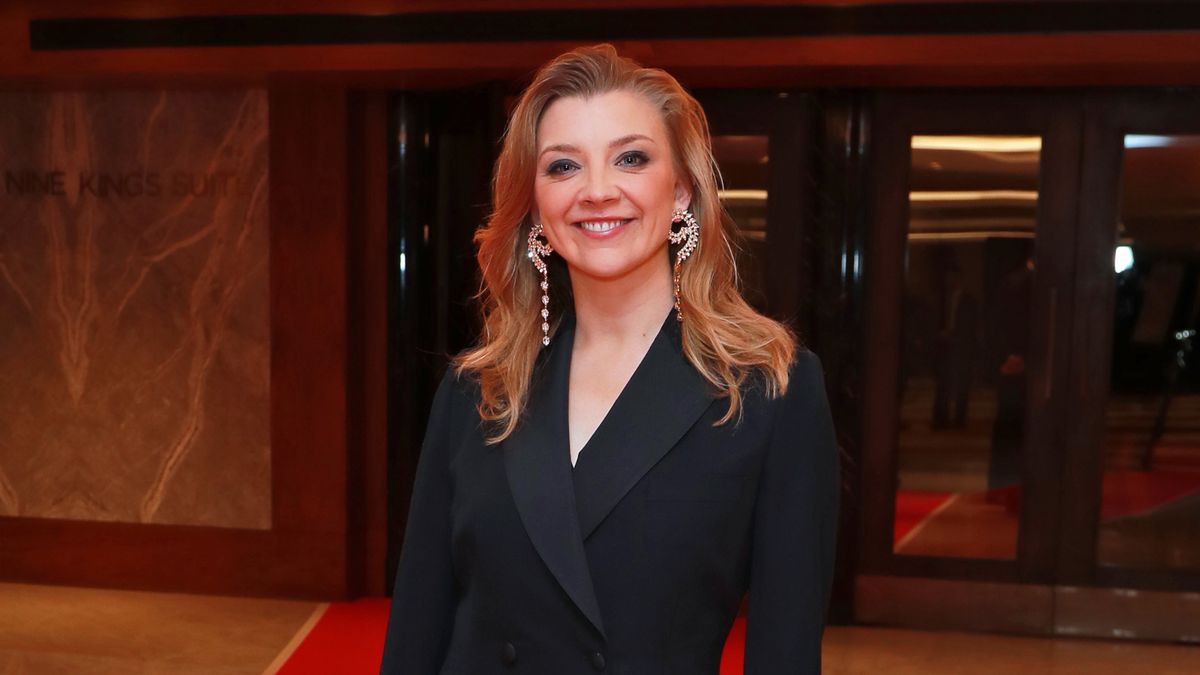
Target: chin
(614,263)
(605,271)
(606,265)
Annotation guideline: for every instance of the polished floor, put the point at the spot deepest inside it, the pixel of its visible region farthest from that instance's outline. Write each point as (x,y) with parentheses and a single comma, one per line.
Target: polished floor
(63,630)
(52,630)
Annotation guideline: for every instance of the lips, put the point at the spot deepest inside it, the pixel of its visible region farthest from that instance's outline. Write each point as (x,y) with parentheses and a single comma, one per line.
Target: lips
(601,226)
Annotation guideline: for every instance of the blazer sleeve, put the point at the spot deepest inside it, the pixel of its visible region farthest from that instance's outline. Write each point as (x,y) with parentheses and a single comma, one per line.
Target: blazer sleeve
(794,531)
(425,594)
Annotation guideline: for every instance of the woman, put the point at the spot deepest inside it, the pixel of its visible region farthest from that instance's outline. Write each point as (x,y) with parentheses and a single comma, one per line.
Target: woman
(630,446)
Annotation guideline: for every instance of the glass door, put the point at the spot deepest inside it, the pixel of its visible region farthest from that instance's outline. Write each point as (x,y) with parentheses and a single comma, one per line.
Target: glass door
(969,276)
(967,296)
(1134,513)
(1032,412)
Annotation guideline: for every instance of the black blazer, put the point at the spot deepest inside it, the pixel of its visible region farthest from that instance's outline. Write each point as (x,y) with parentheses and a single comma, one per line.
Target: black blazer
(635,560)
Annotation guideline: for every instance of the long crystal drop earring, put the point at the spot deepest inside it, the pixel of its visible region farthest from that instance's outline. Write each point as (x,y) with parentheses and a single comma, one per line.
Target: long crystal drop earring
(689,236)
(538,250)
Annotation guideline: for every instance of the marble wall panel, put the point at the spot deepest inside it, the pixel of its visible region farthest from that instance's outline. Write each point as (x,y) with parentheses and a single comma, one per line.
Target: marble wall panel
(134,308)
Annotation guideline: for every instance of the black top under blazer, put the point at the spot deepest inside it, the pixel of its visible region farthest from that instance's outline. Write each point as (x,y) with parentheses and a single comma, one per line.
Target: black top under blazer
(635,560)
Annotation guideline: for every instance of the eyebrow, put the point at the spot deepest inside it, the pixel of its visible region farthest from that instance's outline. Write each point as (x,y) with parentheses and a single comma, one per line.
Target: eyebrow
(565,147)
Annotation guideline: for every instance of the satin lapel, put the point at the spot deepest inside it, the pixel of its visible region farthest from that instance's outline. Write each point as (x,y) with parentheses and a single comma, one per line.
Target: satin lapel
(662,400)
(538,464)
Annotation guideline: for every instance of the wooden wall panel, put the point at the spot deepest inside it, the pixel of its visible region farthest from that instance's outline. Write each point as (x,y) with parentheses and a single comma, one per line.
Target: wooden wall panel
(367,319)
(308,307)
(1165,56)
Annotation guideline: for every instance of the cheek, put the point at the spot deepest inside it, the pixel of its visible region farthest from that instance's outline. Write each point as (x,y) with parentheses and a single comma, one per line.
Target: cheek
(655,194)
(655,203)
(552,193)
(553,201)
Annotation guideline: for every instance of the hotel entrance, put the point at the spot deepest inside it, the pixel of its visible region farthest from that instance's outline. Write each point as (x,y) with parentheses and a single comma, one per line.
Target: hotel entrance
(1003,290)
(1030,463)
(237,255)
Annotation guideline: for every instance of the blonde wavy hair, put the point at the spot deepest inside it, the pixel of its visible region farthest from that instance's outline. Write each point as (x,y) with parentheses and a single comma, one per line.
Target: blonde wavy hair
(723,336)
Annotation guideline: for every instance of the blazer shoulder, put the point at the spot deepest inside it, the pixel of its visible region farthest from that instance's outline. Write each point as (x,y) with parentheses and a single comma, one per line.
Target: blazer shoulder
(805,373)
(806,368)
(456,390)
(805,387)
(450,414)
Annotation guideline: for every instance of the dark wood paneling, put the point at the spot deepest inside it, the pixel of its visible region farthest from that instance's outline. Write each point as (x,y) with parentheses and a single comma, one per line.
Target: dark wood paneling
(308,309)
(1027,609)
(621,23)
(367,384)
(1166,56)
(171,558)
(884,264)
(1058,120)
(953,604)
(1090,360)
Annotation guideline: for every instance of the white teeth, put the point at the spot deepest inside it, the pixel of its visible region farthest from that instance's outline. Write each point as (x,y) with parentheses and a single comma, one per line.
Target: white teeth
(601,225)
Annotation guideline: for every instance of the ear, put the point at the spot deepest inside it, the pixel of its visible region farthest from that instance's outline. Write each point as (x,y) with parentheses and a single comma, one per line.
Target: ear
(534,216)
(683,195)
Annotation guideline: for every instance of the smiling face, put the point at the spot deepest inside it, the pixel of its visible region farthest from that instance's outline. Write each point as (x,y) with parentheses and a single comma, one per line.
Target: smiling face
(606,183)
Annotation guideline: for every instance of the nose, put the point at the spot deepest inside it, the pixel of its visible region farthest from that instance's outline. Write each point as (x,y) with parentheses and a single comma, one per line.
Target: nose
(599,188)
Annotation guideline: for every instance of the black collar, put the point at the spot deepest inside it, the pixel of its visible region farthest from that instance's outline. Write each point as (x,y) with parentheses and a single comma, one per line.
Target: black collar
(561,505)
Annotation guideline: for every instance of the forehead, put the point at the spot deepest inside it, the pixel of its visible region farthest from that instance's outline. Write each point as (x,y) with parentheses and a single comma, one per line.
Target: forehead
(598,119)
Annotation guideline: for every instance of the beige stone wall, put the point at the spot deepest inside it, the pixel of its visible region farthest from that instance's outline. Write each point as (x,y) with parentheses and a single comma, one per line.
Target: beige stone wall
(134,322)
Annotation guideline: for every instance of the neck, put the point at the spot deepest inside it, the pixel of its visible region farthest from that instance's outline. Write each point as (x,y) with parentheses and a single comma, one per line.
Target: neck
(623,309)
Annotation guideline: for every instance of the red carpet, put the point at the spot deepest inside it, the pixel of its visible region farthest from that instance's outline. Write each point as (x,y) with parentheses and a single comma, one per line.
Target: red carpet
(913,506)
(348,640)
(735,648)
(1129,492)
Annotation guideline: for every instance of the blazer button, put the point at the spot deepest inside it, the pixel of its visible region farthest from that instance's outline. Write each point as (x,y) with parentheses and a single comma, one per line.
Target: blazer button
(597,660)
(509,654)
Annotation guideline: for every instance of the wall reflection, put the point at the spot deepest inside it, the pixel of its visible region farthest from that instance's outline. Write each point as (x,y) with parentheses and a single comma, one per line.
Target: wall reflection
(968,286)
(1150,511)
